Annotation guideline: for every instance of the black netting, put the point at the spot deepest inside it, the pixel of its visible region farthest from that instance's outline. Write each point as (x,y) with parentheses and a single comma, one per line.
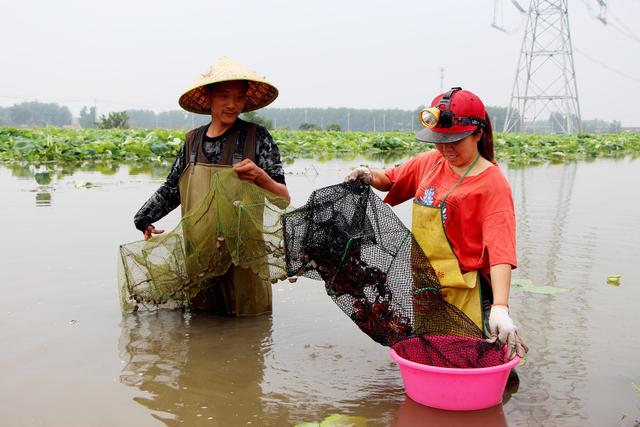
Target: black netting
(372,268)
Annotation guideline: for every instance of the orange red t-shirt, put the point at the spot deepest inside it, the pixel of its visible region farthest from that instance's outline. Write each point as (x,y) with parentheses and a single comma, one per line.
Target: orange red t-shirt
(479,216)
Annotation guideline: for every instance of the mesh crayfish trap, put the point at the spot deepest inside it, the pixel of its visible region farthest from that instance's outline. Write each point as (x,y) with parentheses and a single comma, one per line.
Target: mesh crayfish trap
(236,222)
(376,272)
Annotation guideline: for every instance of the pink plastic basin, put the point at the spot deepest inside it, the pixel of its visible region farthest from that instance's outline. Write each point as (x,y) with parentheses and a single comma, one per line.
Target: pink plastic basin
(452,388)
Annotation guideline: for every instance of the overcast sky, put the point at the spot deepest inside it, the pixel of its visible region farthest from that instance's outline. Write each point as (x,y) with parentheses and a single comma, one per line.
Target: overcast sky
(347,53)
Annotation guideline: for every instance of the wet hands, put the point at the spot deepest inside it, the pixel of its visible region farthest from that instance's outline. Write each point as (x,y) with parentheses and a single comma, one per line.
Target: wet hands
(504,330)
(362,172)
(247,170)
(150,231)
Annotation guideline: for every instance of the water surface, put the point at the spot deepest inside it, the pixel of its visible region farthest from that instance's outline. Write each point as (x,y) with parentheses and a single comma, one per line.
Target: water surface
(70,358)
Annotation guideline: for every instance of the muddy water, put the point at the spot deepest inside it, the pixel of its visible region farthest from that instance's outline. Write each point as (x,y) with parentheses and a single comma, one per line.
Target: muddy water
(68,357)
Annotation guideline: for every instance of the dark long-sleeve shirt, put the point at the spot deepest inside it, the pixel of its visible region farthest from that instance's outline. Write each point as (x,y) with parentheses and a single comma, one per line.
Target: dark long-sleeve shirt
(167,197)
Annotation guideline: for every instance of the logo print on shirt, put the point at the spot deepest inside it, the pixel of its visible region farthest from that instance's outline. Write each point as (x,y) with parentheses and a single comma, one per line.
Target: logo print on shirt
(427,197)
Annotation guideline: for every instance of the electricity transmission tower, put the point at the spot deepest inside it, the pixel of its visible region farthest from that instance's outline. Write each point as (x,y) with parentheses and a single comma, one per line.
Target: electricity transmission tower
(545,93)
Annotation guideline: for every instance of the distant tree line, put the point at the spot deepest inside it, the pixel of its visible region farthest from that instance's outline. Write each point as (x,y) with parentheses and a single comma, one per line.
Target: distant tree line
(601,126)
(37,114)
(173,119)
(346,119)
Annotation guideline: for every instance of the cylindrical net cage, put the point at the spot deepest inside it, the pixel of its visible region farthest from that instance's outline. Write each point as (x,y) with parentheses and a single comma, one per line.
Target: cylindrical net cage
(376,272)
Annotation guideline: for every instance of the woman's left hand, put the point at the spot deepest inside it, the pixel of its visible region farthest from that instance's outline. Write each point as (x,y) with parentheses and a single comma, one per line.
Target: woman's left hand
(504,330)
(247,170)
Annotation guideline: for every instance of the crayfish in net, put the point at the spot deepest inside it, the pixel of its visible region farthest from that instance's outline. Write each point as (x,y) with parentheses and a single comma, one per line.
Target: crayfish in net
(348,276)
(380,321)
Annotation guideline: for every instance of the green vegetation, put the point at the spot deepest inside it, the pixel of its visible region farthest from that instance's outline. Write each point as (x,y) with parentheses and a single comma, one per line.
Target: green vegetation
(53,144)
(65,145)
(527,285)
(115,120)
(309,126)
(636,422)
(528,149)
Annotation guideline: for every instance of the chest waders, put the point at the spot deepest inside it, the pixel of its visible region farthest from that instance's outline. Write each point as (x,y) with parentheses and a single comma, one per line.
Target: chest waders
(239,291)
(458,288)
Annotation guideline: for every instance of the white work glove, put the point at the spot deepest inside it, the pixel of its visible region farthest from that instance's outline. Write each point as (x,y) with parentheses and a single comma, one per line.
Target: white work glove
(504,330)
(362,172)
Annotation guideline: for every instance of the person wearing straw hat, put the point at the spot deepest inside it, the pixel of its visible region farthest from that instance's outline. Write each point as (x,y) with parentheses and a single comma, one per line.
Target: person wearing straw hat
(463,213)
(224,91)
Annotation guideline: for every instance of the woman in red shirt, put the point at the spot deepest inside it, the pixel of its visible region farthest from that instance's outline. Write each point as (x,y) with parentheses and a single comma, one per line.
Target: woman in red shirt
(463,215)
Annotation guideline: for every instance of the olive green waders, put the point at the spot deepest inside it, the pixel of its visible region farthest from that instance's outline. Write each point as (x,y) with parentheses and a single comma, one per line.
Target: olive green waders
(239,291)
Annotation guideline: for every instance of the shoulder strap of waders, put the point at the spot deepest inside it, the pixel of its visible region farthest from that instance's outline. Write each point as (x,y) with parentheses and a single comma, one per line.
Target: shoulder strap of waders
(193,142)
(249,151)
(238,148)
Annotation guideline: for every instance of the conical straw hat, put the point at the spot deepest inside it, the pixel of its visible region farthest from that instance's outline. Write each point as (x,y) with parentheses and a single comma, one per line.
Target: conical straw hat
(260,92)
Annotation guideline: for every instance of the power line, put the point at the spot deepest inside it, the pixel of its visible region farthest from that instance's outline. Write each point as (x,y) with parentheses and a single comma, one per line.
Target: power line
(621,27)
(624,29)
(602,64)
(625,33)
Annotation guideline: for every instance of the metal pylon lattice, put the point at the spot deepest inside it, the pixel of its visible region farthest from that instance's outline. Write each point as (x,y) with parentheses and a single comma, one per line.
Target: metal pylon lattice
(545,92)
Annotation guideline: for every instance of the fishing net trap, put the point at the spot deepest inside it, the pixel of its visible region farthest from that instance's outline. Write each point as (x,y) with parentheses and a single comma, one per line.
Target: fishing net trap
(378,275)
(236,223)
(345,235)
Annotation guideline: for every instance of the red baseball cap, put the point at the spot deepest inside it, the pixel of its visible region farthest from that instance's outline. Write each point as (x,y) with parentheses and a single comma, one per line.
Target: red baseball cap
(468,111)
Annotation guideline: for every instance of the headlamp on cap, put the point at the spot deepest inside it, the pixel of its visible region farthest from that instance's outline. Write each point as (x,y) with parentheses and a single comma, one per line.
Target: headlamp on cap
(429,117)
(442,116)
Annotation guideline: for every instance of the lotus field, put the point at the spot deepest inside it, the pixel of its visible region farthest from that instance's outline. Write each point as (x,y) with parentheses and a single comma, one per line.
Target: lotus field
(64,145)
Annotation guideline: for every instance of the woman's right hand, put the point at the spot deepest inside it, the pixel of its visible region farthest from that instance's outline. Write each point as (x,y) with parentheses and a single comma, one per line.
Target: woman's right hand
(362,172)
(150,231)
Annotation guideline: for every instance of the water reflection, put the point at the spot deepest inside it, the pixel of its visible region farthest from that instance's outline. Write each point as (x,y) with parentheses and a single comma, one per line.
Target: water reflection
(45,173)
(44,178)
(351,156)
(192,375)
(412,414)
(546,226)
(152,169)
(43,198)
(160,169)
(208,370)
